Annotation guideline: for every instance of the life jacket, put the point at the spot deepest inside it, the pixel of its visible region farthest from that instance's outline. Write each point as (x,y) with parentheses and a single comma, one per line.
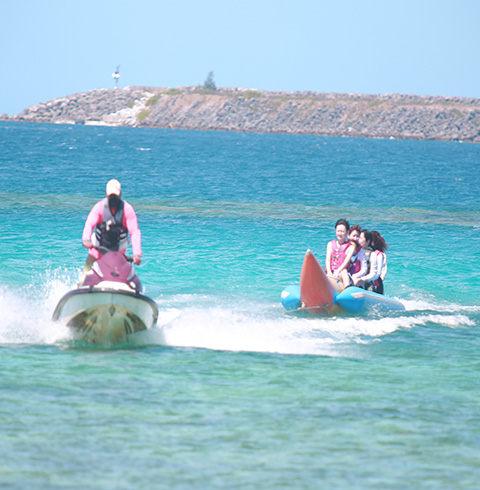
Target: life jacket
(110,233)
(355,264)
(339,252)
(367,255)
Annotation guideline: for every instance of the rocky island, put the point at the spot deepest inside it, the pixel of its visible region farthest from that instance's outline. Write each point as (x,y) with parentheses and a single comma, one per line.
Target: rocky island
(394,116)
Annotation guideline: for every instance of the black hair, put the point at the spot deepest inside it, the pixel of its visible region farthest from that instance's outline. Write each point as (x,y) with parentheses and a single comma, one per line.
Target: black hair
(343,222)
(367,234)
(378,242)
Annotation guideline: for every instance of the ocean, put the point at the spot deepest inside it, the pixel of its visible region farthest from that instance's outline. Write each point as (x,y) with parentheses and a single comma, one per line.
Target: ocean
(229,390)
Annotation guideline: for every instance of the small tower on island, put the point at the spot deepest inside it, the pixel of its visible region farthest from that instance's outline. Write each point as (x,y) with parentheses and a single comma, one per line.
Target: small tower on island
(116,76)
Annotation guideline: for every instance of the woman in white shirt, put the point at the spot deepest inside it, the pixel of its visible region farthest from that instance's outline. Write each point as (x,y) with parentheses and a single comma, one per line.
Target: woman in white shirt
(379,246)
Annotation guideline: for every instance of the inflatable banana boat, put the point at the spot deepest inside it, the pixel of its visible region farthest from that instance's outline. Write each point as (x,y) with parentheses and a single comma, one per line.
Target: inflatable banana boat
(320,294)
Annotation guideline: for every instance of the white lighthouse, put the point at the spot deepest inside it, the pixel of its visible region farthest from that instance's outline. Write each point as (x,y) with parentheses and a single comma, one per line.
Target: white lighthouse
(116,76)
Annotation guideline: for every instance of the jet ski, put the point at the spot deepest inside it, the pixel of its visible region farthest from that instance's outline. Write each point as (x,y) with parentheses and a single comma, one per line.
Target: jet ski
(108,306)
(320,294)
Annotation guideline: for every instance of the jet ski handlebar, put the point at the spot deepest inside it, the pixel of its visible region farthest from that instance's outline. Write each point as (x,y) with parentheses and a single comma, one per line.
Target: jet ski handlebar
(104,250)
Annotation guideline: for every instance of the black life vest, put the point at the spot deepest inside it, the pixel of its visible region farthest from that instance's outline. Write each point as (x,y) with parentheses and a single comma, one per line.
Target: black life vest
(110,233)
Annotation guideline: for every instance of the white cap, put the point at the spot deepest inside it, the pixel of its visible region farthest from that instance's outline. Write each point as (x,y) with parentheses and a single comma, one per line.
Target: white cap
(114,187)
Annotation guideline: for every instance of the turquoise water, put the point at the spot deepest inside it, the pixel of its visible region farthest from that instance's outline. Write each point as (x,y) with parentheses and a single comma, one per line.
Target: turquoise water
(229,391)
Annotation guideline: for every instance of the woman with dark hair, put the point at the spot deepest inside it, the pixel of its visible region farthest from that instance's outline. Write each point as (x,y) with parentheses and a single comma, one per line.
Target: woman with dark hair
(379,246)
(366,282)
(358,262)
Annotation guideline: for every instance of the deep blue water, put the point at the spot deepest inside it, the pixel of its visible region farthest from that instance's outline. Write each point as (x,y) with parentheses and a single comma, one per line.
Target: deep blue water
(229,391)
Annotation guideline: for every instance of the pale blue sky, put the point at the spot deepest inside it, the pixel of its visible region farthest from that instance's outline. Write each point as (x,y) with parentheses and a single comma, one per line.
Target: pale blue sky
(53,48)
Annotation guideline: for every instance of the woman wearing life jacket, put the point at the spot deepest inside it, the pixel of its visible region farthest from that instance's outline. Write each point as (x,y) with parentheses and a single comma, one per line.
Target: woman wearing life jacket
(358,262)
(366,282)
(339,253)
(112,219)
(379,246)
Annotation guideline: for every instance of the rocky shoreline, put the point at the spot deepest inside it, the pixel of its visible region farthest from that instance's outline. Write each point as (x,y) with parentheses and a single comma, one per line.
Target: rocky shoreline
(393,116)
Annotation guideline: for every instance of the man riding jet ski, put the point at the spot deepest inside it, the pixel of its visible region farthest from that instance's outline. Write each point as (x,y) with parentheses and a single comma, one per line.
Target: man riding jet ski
(113,220)
(108,304)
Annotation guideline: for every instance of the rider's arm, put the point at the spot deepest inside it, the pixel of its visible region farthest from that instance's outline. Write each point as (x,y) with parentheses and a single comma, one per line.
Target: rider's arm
(94,217)
(131,223)
(346,262)
(384,268)
(373,272)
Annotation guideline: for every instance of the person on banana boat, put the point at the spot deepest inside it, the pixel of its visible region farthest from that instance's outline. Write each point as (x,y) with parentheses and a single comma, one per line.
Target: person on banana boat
(339,254)
(379,246)
(367,281)
(113,220)
(358,262)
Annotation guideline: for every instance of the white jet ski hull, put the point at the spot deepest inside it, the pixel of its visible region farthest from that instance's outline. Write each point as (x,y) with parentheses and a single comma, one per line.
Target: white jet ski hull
(104,315)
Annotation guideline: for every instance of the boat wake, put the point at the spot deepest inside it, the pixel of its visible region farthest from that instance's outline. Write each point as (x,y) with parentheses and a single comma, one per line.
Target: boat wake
(221,328)
(207,322)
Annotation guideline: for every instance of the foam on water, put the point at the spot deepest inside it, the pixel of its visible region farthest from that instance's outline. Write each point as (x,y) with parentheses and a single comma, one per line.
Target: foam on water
(201,321)
(27,320)
(423,304)
(226,329)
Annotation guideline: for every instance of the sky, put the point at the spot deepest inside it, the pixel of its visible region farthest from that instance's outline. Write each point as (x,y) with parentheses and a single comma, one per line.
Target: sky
(54,48)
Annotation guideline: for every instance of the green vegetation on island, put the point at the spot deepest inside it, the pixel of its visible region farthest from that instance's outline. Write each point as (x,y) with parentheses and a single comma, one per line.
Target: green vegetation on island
(208,107)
